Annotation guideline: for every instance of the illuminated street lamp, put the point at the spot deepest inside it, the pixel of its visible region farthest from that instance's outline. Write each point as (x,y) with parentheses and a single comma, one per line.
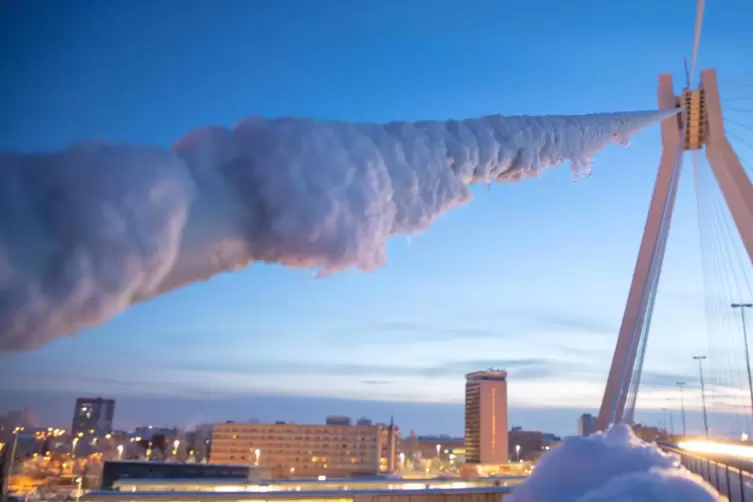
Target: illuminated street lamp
(120,452)
(402,460)
(73,446)
(257,452)
(176,444)
(517,451)
(439,447)
(79,484)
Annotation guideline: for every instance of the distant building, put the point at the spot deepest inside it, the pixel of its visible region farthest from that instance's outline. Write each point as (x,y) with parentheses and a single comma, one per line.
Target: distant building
(550,439)
(586,424)
(202,445)
(364,422)
(337,420)
(149,431)
(14,421)
(443,447)
(486,417)
(525,445)
(295,450)
(649,434)
(113,471)
(93,416)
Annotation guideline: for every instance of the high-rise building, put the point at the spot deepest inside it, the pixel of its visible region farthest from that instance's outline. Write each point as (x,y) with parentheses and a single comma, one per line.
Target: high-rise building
(93,416)
(486,417)
(295,450)
(586,424)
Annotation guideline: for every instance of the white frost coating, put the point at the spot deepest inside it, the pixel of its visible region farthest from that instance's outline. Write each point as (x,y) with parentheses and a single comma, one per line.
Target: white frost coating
(612,467)
(88,231)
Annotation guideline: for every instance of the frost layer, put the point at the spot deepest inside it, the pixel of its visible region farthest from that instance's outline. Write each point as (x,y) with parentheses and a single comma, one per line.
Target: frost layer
(611,467)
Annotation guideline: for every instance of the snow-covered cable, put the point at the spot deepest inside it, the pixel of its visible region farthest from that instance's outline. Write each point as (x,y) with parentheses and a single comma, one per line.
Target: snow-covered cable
(90,230)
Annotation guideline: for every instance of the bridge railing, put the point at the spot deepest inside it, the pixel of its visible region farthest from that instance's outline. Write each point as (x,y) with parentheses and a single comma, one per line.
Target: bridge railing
(734,483)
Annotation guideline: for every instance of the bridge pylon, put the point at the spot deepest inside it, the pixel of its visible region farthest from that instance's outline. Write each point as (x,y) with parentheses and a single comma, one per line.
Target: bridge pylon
(700,124)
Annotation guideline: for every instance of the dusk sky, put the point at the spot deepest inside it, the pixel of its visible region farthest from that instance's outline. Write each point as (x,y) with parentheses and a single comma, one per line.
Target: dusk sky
(530,277)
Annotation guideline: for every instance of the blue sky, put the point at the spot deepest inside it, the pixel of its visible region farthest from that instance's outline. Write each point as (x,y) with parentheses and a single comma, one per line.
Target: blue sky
(530,277)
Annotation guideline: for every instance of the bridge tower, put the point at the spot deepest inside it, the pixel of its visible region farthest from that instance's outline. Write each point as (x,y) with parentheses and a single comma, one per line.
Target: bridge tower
(699,124)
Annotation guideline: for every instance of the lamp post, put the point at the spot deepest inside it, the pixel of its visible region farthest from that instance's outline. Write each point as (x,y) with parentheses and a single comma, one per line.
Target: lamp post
(671,420)
(517,452)
(742,307)
(680,385)
(9,457)
(439,447)
(79,485)
(664,422)
(257,452)
(703,394)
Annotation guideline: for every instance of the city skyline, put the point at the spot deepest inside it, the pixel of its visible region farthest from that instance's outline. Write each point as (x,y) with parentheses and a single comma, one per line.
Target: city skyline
(539,293)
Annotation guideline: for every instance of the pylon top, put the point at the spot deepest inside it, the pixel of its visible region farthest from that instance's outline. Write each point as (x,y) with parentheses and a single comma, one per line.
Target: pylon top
(693,118)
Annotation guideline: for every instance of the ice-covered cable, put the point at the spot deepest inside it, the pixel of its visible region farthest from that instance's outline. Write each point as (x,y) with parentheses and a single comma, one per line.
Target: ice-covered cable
(90,230)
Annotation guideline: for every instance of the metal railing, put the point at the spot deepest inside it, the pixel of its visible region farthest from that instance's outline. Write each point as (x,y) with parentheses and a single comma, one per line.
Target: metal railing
(735,484)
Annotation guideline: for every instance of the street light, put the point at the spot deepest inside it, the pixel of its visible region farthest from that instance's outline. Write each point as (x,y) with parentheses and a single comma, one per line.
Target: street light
(73,447)
(4,480)
(680,385)
(257,452)
(703,394)
(120,452)
(742,307)
(517,451)
(671,421)
(439,447)
(79,482)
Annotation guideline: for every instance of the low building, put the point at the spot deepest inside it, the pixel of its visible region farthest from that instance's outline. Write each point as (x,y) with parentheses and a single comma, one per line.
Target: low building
(442,447)
(295,450)
(112,472)
(486,494)
(525,445)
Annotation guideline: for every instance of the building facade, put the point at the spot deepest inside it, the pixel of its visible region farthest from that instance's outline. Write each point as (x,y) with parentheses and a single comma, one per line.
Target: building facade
(294,450)
(93,416)
(586,424)
(524,445)
(486,417)
(441,447)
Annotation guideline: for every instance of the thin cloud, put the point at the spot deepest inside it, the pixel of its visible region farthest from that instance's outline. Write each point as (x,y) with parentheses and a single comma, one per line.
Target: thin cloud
(523,368)
(579,324)
(660,380)
(386,331)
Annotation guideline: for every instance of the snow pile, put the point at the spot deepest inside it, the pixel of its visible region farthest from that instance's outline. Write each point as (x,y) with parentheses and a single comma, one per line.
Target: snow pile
(614,467)
(88,231)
